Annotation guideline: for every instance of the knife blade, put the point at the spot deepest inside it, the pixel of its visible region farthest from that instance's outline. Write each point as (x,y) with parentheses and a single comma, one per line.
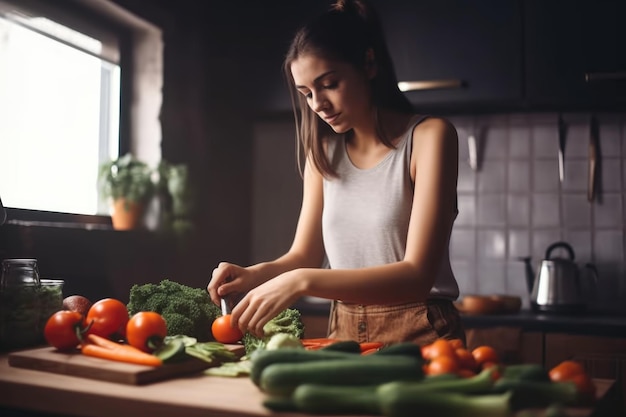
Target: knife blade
(562,134)
(593,158)
(225,305)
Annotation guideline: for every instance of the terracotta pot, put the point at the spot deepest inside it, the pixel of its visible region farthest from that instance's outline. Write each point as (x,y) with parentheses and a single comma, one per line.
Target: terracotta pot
(127,215)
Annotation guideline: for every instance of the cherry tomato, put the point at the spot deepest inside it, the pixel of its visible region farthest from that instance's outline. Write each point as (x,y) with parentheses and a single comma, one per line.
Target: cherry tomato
(566,370)
(63,328)
(223,332)
(108,318)
(485,354)
(146,330)
(442,365)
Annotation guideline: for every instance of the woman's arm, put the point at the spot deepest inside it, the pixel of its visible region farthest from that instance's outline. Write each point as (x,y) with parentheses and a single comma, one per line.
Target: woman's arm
(306,251)
(434,165)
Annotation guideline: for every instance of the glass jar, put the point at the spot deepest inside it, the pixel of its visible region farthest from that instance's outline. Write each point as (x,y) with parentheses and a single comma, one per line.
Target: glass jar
(19,304)
(50,300)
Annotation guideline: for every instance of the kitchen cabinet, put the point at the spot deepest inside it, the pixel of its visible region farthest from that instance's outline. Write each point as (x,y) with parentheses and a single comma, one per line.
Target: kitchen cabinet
(476,43)
(574,53)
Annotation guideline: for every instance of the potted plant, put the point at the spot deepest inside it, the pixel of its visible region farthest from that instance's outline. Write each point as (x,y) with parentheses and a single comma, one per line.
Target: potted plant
(129,184)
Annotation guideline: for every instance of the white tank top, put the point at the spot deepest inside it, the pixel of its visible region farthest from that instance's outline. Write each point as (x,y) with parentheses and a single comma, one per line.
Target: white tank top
(367,211)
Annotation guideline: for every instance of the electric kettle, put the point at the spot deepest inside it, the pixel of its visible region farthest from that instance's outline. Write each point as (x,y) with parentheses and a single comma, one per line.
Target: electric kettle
(559,285)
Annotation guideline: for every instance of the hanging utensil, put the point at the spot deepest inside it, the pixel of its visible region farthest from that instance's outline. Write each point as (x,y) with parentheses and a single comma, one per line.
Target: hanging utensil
(473,152)
(562,135)
(593,158)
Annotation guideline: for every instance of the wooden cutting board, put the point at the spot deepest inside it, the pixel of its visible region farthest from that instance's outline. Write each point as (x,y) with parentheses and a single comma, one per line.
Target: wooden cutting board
(48,359)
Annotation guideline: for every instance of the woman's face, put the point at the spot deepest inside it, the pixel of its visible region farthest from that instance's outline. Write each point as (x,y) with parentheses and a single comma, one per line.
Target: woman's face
(335,91)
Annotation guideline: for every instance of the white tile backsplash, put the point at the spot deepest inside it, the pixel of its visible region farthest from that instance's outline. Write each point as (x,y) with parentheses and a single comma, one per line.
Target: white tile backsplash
(608,212)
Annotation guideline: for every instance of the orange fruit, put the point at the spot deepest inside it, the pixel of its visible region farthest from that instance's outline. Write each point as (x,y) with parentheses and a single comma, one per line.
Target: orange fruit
(442,365)
(484,354)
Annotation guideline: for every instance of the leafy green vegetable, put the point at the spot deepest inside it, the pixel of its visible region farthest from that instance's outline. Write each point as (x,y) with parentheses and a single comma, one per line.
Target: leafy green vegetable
(284,340)
(288,321)
(187,311)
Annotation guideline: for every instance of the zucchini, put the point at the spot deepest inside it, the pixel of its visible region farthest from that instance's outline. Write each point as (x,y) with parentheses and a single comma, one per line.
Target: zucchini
(336,399)
(397,403)
(283,378)
(262,359)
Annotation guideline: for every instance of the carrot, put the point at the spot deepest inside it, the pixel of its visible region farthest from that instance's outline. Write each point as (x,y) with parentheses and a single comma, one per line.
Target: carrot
(365,346)
(369,351)
(318,342)
(103,348)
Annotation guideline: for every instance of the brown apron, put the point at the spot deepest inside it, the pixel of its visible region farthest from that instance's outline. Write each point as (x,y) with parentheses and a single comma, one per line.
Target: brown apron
(421,323)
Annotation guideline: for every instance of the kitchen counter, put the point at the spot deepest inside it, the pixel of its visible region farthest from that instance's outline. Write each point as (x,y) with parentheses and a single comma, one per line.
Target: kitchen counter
(593,324)
(191,396)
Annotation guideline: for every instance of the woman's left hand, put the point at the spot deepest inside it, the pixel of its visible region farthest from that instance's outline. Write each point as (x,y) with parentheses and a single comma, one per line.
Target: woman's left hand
(263,303)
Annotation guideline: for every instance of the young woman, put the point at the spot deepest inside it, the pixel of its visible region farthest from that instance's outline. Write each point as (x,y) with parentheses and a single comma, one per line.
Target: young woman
(379,197)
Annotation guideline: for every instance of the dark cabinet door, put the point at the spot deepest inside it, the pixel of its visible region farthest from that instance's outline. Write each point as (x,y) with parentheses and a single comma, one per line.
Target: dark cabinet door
(575,53)
(475,43)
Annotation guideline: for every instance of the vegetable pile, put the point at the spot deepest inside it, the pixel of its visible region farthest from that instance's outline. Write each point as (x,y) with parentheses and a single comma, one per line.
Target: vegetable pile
(108,331)
(440,379)
(188,311)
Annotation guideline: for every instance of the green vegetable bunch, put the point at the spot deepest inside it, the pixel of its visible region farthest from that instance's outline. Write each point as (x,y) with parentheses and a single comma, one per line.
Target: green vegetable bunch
(288,321)
(187,311)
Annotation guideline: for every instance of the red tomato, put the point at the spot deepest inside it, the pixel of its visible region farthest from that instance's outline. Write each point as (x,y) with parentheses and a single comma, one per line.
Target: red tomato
(107,318)
(146,330)
(63,328)
(223,332)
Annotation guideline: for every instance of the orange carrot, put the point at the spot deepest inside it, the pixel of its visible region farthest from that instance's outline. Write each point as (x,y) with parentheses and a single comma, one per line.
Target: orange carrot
(365,346)
(318,343)
(369,351)
(103,348)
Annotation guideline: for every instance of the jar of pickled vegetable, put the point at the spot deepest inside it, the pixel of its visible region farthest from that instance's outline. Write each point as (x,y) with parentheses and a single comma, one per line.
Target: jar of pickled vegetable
(20,306)
(50,300)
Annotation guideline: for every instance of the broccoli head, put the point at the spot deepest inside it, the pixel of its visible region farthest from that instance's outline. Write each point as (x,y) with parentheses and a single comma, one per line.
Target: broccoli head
(288,321)
(187,311)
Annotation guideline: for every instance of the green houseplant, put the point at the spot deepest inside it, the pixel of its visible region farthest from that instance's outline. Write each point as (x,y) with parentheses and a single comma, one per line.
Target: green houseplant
(128,183)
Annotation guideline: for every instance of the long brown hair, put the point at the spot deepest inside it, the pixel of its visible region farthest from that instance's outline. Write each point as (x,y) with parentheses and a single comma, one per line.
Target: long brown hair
(343,33)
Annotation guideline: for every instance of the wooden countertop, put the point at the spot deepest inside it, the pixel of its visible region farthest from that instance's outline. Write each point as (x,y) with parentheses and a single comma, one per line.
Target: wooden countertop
(190,396)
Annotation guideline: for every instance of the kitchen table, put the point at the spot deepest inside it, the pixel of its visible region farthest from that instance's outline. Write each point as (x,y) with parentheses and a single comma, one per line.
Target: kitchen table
(190,396)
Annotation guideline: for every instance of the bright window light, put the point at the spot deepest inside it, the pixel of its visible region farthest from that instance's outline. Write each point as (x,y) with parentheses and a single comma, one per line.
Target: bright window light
(59,107)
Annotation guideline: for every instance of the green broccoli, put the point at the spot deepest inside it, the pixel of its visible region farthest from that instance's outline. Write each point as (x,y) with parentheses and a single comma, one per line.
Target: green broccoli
(288,321)
(187,311)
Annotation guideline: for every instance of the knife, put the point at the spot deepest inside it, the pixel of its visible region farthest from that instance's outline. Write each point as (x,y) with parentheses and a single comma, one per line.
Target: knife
(593,158)
(562,131)
(225,305)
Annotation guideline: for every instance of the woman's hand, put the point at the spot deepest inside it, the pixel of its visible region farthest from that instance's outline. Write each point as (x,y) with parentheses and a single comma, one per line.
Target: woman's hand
(227,279)
(264,302)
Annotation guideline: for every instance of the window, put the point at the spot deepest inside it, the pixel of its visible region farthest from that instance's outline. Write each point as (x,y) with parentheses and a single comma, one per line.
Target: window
(60,100)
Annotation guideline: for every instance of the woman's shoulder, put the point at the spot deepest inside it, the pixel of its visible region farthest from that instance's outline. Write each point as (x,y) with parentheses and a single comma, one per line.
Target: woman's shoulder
(429,126)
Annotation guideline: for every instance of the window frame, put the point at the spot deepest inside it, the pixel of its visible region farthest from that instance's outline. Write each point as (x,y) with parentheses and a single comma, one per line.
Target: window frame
(87,16)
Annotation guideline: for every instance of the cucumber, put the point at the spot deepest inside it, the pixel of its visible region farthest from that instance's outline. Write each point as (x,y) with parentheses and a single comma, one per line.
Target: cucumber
(283,378)
(402,348)
(171,351)
(529,394)
(526,372)
(264,358)
(280,404)
(348,346)
(336,399)
(396,403)
(478,384)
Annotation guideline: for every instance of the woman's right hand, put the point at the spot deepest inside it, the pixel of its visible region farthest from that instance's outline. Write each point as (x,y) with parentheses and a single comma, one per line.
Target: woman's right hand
(227,279)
